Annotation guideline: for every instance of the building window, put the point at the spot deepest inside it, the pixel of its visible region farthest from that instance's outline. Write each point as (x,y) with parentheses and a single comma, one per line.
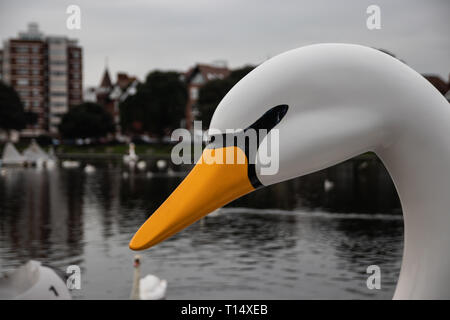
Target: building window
(23,93)
(22,71)
(36,103)
(35,82)
(55,52)
(58,83)
(194,93)
(198,79)
(58,73)
(22,82)
(35,49)
(58,94)
(22,60)
(58,62)
(58,104)
(35,72)
(22,49)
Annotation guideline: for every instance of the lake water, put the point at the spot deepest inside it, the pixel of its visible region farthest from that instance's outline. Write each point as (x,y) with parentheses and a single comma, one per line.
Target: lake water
(293,240)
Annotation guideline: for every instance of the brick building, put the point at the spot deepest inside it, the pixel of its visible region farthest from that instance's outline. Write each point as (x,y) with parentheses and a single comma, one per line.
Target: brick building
(47,74)
(109,94)
(197,77)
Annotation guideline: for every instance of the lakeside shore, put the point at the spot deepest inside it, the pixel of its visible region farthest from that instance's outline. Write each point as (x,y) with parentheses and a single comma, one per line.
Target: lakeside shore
(160,150)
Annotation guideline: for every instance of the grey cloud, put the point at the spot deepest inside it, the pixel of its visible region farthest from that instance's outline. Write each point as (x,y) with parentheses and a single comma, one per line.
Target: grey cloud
(138,36)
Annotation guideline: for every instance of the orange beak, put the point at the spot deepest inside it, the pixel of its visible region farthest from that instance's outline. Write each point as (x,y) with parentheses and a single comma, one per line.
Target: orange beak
(210,185)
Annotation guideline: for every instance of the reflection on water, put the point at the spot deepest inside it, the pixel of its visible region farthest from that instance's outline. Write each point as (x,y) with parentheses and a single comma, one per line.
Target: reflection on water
(280,242)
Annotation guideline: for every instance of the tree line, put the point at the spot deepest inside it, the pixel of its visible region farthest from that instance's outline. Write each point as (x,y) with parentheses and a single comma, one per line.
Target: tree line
(156,108)
(12,113)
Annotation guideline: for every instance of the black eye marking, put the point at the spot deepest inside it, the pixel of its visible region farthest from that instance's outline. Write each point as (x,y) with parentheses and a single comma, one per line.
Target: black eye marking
(270,119)
(265,123)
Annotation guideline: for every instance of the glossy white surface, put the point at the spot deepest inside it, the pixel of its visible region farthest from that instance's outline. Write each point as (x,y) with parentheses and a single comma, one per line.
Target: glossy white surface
(32,281)
(345,100)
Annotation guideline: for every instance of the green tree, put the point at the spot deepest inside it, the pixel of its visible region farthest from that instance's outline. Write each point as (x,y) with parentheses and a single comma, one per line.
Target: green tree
(87,120)
(158,105)
(12,114)
(213,92)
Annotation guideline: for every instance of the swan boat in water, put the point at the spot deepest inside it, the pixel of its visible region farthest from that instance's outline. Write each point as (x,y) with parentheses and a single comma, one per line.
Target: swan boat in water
(33,281)
(329,103)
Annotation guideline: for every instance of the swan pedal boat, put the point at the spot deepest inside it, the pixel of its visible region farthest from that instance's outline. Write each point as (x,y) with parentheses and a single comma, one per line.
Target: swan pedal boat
(33,281)
(328,103)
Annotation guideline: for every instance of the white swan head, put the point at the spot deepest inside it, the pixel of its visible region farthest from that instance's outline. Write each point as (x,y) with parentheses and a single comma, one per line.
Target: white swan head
(321,105)
(137,261)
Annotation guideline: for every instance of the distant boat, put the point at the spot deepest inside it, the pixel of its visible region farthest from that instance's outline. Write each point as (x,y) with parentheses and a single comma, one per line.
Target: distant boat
(161,164)
(328,185)
(131,158)
(12,157)
(171,173)
(141,165)
(34,155)
(52,158)
(32,281)
(89,168)
(70,164)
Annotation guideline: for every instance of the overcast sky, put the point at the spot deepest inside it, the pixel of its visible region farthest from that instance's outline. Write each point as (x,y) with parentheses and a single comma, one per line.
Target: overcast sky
(138,36)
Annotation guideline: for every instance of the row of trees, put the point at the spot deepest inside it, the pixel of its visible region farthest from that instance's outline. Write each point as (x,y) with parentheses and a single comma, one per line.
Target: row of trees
(159,104)
(12,113)
(87,120)
(157,107)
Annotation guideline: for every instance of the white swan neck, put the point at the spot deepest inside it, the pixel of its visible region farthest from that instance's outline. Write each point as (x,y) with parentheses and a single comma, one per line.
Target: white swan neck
(135,291)
(418,161)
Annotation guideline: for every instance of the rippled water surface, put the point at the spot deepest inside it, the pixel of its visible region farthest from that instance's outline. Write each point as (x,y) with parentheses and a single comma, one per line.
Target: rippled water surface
(289,241)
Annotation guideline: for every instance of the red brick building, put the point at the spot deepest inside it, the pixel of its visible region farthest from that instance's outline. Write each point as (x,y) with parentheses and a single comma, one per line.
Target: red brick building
(109,94)
(195,78)
(47,74)
(24,69)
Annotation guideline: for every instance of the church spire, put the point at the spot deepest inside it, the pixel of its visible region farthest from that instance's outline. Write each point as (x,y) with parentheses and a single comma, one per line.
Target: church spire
(106,79)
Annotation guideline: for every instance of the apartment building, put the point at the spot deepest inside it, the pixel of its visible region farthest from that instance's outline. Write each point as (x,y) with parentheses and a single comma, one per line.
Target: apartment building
(47,74)
(64,78)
